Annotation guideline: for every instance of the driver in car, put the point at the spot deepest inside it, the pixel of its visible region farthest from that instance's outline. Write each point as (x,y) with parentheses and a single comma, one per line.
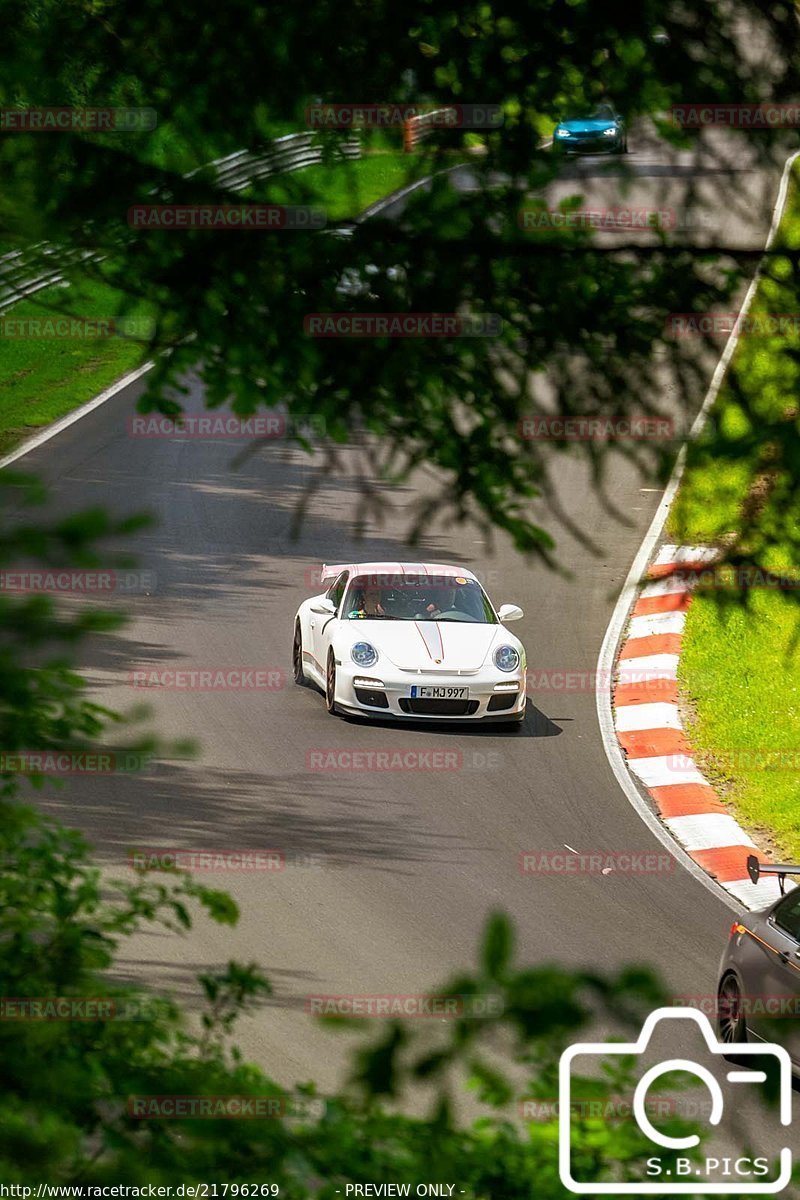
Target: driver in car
(368,603)
(445,600)
(462,602)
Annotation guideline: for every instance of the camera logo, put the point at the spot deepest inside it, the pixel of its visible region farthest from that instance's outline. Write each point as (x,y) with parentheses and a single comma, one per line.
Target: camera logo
(663,1172)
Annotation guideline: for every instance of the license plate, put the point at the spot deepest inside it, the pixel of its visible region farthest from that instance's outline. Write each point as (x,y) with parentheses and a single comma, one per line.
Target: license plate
(440,693)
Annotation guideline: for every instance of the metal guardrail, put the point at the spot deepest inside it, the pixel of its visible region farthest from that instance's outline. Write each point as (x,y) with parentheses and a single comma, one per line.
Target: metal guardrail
(237,171)
(16,271)
(416,129)
(234,172)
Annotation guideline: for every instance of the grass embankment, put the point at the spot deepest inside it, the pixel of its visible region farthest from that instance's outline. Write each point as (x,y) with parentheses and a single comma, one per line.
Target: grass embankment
(43,377)
(344,190)
(740,667)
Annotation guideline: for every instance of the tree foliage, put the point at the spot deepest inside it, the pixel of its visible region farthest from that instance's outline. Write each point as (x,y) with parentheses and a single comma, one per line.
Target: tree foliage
(69,1087)
(583,323)
(582,316)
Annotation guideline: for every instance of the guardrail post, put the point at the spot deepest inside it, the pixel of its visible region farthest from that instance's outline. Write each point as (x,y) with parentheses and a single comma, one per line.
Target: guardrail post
(409,137)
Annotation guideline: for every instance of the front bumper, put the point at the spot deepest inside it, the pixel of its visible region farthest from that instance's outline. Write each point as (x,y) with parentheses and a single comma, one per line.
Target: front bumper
(595,145)
(491,695)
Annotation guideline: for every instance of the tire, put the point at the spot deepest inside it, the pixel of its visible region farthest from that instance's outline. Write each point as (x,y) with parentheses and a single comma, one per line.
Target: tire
(330,684)
(731,1025)
(297,657)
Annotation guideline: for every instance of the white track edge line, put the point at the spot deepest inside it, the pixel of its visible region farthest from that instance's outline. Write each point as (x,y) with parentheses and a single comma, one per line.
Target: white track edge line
(63,423)
(613,635)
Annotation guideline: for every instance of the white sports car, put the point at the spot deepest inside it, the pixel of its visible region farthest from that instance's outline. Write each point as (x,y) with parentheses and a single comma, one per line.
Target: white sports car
(410,641)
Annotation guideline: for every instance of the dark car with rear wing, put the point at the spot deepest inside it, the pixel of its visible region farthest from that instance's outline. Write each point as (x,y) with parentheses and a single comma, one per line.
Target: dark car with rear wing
(758,995)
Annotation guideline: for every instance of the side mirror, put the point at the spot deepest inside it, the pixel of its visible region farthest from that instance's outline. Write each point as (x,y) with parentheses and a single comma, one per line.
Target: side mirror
(509,612)
(324,606)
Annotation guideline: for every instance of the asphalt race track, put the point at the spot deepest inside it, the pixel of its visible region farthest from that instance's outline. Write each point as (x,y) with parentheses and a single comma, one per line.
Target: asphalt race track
(389,875)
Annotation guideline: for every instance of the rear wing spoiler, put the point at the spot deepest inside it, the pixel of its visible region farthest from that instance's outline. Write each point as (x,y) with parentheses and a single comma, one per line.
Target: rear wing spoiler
(756,869)
(331,570)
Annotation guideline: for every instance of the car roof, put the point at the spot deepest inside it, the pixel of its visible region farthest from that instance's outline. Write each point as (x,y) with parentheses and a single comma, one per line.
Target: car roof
(331,570)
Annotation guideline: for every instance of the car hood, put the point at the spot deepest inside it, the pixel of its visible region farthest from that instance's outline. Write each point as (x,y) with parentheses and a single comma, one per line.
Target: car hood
(435,645)
(587,125)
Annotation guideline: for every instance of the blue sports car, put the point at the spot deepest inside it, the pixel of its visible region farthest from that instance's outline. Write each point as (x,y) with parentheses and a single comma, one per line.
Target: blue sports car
(599,131)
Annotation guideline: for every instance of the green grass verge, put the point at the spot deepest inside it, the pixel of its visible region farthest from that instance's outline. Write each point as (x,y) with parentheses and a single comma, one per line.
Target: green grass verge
(345,189)
(739,671)
(741,676)
(43,378)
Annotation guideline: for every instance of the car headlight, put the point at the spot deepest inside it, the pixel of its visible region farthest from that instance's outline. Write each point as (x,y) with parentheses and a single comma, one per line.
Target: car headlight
(610,132)
(562,133)
(364,655)
(506,658)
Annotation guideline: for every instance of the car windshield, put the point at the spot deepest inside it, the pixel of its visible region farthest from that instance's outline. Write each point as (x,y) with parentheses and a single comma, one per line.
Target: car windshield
(603,112)
(417,598)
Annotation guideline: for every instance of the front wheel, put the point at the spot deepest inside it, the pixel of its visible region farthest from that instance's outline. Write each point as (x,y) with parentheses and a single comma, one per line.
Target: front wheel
(330,684)
(297,657)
